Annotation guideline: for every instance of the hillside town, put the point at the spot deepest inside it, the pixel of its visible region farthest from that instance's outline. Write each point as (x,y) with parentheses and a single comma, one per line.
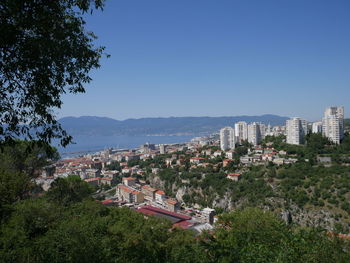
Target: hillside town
(120,180)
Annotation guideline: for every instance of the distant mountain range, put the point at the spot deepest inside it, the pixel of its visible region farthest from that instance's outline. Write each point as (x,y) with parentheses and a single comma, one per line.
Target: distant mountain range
(102,126)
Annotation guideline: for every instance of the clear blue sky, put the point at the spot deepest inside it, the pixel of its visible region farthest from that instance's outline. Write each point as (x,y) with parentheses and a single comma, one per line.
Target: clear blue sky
(218,58)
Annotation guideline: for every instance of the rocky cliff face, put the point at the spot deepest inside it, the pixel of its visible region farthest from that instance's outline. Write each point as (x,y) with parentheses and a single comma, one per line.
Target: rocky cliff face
(291,213)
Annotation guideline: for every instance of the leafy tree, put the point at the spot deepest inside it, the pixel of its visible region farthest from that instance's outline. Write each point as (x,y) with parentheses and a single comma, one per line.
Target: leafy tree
(20,162)
(45,52)
(250,235)
(114,165)
(27,157)
(30,220)
(13,187)
(181,247)
(69,190)
(316,142)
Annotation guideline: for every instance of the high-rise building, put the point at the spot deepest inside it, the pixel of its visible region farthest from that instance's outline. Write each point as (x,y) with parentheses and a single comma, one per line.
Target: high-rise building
(254,133)
(262,128)
(317,127)
(162,148)
(241,131)
(333,124)
(227,138)
(296,130)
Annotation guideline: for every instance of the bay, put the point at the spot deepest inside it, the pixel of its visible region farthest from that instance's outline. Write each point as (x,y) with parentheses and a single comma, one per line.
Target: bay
(85,144)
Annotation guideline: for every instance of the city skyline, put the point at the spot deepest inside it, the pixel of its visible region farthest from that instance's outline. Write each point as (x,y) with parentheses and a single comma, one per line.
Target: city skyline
(200,58)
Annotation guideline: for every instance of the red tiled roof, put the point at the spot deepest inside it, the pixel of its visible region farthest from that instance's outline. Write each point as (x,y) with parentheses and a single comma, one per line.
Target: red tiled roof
(146,211)
(172,201)
(156,210)
(128,190)
(149,188)
(105,202)
(107,172)
(92,179)
(183,224)
(160,192)
(106,178)
(129,178)
(234,174)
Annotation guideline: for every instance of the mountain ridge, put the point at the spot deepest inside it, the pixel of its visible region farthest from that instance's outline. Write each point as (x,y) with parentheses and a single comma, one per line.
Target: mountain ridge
(94,125)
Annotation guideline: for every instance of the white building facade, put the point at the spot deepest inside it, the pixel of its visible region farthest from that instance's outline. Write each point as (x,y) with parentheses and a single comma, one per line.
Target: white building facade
(333,124)
(296,129)
(241,131)
(317,127)
(227,138)
(254,133)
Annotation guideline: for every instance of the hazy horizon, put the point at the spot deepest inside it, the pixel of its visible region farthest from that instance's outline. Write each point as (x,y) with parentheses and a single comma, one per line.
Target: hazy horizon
(244,115)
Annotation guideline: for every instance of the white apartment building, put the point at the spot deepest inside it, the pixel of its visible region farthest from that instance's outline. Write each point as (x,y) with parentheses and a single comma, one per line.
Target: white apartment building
(317,127)
(296,130)
(162,148)
(254,133)
(333,124)
(227,138)
(241,131)
(262,128)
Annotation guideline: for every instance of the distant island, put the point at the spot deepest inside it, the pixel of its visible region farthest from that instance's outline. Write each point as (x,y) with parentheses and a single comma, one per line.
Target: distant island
(103,126)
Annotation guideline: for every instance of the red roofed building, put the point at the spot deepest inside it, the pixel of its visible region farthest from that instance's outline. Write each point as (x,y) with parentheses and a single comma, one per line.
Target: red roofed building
(160,196)
(183,224)
(107,180)
(93,181)
(149,192)
(129,181)
(109,202)
(233,176)
(129,194)
(178,220)
(197,160)
(173,205)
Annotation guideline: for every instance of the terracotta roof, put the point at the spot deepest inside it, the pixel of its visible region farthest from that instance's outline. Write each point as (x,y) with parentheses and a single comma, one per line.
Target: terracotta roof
(234,174)
(160,192)
(129,178)
(156,210)
(146,211)
(128,190)
(183,224)
(108,172)
(106,178)
(105,202)
(92,179)
(172,201)
(149,188)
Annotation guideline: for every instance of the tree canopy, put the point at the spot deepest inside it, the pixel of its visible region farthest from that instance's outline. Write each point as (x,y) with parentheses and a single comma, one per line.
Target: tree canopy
(45,52)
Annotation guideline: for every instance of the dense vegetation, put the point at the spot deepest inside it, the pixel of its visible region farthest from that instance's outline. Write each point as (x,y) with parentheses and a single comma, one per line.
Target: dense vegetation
(47,230)
(304,188)
(45,53)
(315,145)
(67,225)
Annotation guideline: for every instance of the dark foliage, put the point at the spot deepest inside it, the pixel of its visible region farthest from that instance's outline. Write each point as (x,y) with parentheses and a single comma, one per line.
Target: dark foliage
(45,52)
